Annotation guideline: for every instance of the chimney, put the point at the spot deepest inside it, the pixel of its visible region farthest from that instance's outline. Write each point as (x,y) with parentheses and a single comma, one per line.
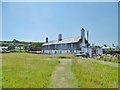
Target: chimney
(83,36)
(60,37)
(87,35)
(46,39)
(113,45)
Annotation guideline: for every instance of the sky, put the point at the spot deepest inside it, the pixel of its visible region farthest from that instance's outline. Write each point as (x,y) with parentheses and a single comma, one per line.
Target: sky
(34,21)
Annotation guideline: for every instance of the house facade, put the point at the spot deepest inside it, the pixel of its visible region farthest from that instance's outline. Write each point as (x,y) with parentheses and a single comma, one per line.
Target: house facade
(3,48)
(67,45)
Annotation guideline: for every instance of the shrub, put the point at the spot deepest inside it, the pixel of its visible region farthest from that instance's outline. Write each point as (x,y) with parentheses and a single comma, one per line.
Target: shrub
(4,51)
(109,59)
(18,51)
(64,57)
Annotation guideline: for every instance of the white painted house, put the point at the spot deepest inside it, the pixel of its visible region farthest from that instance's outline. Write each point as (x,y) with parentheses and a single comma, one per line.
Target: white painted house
(99,51)
(3,48)
(67,45)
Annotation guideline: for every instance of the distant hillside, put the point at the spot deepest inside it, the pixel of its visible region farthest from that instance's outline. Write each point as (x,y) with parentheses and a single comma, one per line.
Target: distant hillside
(25,45)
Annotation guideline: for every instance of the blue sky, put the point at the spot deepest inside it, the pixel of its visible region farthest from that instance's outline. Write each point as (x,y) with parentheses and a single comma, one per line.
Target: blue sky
(26,21)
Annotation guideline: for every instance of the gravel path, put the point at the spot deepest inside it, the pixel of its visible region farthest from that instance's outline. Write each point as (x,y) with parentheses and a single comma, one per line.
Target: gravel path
(63,77)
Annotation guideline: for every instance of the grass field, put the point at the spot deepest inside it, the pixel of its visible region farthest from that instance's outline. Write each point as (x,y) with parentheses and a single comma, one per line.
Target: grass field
(0,71)
(95,75)
(108,59)
(23,70)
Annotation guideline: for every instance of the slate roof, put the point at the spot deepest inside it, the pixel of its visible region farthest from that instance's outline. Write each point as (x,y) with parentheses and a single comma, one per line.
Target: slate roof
(65,40)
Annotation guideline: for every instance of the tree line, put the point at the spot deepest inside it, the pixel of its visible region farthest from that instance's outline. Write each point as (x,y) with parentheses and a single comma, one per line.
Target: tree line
(27,46)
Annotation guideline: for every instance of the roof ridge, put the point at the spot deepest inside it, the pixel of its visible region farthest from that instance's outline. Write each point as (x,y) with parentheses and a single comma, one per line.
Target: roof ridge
(65,38)
(72,37)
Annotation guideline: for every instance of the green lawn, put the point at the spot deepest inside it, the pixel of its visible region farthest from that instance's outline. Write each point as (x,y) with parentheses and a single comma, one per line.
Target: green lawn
(94,75)
(21,70)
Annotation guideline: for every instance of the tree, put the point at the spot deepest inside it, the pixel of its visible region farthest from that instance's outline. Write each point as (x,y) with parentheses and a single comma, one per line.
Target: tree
(26,46)
(97,46)
(105,45)
(11,47)
(14,40)
(35,47)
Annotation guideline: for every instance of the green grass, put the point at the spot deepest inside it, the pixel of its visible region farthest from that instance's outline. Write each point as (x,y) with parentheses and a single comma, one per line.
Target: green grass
(62,56)
(0,71)
(22,70)
(94,75)
(108,59)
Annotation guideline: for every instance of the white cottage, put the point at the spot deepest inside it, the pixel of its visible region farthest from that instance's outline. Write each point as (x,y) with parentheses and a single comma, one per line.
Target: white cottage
(67,45)
(3,48)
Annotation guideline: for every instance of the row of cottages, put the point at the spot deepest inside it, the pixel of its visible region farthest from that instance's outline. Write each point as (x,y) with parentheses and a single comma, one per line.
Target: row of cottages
(73,45)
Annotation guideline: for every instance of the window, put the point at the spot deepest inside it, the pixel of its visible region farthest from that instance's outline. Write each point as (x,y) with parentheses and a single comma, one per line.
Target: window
(71,45)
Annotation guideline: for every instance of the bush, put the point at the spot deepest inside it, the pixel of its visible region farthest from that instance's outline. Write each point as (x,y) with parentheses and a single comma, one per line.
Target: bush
(4,51)
(18,51)
(109,59)
(64,57)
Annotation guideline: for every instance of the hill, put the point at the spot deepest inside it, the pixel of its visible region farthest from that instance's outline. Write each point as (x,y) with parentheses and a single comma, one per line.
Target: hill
(21,45)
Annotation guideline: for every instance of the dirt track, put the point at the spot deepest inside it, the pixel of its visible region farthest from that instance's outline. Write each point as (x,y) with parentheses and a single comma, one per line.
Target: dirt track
(63,77)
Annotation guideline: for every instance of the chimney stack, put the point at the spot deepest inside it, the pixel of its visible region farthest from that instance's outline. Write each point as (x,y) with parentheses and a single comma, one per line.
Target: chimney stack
(83,36)
(87,35)
(82,32)
(46,39)
(60,37)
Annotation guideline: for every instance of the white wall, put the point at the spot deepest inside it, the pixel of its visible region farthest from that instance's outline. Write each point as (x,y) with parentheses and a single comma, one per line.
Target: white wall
(3,48)
(99,51)
(87,50)
(90,52)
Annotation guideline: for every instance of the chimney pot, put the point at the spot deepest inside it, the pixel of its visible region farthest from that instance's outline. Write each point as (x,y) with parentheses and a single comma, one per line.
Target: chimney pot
(46,39)
(60,37)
